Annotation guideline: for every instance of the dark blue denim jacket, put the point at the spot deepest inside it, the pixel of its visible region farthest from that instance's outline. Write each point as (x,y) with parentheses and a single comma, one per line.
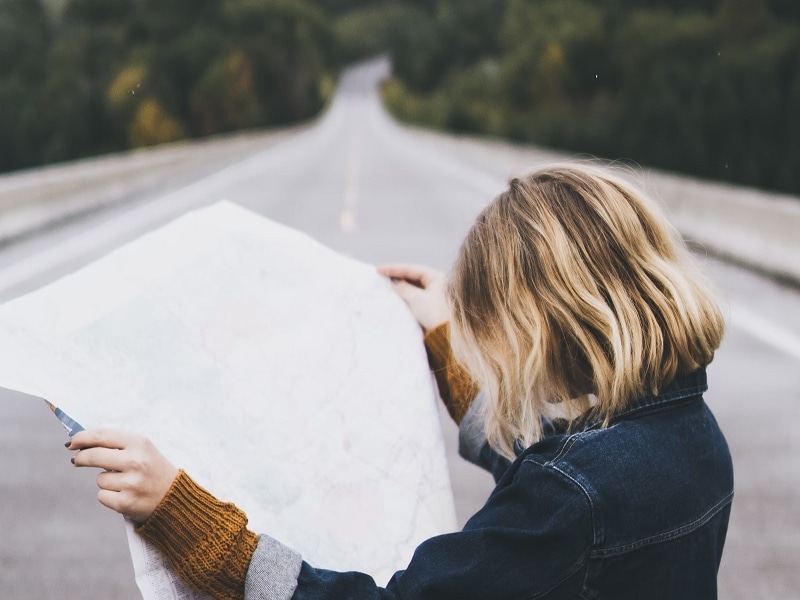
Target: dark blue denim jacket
(636,510)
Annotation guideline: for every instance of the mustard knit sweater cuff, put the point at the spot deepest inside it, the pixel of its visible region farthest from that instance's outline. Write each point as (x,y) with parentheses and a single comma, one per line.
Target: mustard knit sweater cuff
(456,387)
(206,541)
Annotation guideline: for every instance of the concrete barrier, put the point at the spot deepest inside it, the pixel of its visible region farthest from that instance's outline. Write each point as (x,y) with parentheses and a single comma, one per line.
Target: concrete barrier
(755,228)
(752,227)
(40,198)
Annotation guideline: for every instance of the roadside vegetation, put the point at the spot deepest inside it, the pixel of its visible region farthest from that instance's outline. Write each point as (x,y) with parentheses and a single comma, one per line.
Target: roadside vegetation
(707,87)
(82,77)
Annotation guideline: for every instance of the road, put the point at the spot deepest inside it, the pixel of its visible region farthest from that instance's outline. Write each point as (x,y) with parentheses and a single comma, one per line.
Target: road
(364,185)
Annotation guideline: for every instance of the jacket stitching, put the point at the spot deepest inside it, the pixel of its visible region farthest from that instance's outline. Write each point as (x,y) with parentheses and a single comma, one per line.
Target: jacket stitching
(586,593)
(595,535)
(581,562)
(657,408)
(668,535)
(687,392)
(565,448)
(568,444)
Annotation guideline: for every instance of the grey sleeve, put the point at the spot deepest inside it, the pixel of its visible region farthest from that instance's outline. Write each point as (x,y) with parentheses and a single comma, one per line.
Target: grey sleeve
(471,432)
(473,445)
(273,571)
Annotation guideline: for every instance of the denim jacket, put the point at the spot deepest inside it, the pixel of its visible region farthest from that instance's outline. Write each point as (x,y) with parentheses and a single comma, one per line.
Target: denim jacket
(635,510)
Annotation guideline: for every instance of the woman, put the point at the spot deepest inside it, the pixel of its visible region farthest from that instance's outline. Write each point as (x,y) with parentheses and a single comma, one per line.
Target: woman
(575,309)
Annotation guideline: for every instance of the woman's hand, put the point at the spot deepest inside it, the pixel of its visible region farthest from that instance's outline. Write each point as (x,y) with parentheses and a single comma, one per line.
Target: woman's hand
(422,288)
(136,476)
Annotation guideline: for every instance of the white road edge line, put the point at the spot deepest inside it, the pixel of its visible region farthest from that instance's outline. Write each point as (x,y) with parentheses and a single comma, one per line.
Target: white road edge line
(765,330)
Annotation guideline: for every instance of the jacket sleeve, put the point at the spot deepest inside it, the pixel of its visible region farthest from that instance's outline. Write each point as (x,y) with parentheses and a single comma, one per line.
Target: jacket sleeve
(531,539)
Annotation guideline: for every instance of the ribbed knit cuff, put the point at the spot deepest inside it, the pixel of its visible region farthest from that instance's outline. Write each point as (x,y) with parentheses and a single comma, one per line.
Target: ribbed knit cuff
(206,541)
(456,387)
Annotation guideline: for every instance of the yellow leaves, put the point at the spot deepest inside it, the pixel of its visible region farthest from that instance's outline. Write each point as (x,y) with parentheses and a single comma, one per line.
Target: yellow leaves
(327,86)
(240,73)
(122,93)
(153,125)
(553,57)
(393,92)
(140,116)
(551,69)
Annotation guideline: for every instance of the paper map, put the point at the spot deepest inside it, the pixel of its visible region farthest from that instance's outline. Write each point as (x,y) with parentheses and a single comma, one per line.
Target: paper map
(280,375)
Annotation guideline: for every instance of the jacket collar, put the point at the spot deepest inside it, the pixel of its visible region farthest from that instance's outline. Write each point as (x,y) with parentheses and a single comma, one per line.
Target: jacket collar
(681,388)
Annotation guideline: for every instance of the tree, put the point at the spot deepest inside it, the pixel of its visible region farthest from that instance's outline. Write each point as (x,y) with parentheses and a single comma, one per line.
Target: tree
(225,98)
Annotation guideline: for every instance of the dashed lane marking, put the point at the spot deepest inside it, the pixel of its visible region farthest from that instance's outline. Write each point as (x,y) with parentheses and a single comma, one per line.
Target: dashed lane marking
(347,220)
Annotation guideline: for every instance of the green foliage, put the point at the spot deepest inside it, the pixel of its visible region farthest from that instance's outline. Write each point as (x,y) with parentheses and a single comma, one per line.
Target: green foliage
(101,75)
(785,9)
(376,29)
(708,87)
(99,12)
(552,50)
(226,98)
(292,45)
(24,37)
(337,7)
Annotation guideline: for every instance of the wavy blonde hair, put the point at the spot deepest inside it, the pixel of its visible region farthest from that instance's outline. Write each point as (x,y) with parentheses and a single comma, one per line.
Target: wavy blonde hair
(572,291)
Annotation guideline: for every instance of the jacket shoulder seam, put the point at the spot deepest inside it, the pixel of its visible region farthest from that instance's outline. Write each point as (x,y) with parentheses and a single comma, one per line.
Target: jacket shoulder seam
(550,465)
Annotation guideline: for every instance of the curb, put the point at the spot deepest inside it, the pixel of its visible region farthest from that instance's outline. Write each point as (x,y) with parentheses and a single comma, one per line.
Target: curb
(34,200)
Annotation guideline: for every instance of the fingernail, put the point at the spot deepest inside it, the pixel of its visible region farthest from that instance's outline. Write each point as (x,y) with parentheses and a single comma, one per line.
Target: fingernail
(67,444)
(72,460)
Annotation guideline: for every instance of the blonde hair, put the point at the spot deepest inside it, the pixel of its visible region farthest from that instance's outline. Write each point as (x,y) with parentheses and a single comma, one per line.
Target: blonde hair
(572,291)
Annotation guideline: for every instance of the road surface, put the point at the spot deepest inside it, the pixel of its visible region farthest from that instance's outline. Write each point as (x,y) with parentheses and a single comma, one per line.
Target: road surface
(370,188)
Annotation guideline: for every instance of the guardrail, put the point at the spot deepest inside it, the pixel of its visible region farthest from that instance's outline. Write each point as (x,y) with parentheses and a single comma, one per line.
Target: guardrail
(758,229)
(755,228)
(36,199)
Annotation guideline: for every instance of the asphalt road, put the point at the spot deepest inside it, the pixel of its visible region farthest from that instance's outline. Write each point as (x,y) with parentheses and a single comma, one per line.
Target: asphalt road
(369,188)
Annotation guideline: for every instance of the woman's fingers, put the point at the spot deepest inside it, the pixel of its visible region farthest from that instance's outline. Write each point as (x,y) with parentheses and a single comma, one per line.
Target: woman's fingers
(113,500)
(105,438)
(418,275)
(428,305)
(101,458)
(111,481)
(136,475)
(406,291)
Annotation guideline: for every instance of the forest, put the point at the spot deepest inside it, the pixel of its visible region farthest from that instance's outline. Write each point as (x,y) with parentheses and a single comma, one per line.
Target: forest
(707,87)
(84,77)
